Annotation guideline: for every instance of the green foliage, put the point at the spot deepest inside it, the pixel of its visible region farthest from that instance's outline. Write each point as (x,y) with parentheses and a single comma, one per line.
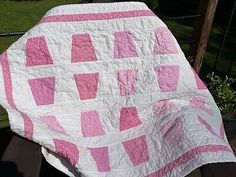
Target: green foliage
(222,92)
(23,15)
(152,4)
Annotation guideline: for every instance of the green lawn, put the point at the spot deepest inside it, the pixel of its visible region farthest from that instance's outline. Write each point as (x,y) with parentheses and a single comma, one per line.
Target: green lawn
(22,15)
(3,118)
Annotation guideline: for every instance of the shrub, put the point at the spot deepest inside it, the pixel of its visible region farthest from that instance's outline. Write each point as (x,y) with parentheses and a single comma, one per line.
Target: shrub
(223,93)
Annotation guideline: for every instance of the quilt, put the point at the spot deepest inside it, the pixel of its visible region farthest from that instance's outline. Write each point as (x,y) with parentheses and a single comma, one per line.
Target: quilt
(107,92)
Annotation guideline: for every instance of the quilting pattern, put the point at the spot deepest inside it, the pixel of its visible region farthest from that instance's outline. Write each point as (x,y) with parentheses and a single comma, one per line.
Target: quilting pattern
(107,90)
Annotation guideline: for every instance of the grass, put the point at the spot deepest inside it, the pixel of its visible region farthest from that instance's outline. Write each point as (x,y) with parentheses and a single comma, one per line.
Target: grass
(3,118)
(23,15)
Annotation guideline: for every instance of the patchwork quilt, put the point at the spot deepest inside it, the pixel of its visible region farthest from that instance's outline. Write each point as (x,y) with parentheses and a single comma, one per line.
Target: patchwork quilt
(107,92)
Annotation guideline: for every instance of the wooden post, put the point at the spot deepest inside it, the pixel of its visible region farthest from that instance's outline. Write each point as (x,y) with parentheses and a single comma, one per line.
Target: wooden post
(201,32)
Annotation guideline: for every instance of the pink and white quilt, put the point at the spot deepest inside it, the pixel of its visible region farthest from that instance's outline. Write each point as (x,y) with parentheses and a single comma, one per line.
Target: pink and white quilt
(107,92)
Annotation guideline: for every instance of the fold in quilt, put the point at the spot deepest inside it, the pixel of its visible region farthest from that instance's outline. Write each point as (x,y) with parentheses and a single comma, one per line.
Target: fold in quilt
(107,92)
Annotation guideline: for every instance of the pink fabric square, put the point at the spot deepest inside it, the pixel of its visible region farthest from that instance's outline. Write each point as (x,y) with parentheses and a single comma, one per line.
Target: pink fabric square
(172,132)
(164,107)
(51,121)
(127,80)
(164,42)
(101,157)
(137,150)
(67,150)
(87,85)
(207,126)
(200,84)
(129,118)
(82,49)
(37,52)
(28,126)
(222,131)
(90,124)
(201,104)
(43,90)
(168,77)
(124,46)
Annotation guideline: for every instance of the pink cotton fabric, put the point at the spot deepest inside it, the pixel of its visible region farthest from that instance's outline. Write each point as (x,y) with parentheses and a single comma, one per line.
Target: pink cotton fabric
(107,92)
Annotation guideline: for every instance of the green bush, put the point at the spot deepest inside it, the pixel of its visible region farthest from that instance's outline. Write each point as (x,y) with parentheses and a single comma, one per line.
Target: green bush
(152,4)
(223,93)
